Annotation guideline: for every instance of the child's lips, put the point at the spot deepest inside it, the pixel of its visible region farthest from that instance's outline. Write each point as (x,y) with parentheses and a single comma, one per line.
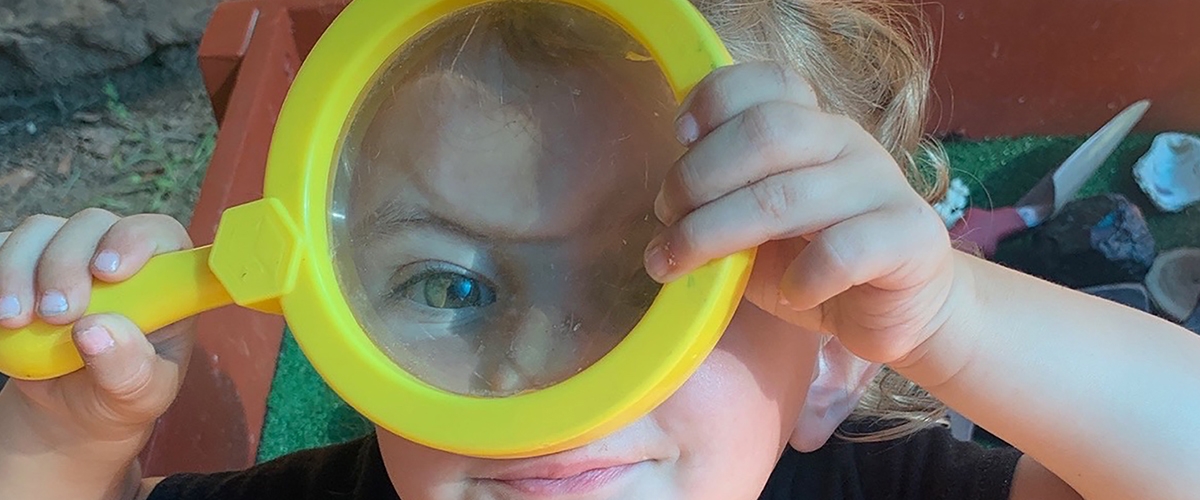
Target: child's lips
(581,483)
(567,478)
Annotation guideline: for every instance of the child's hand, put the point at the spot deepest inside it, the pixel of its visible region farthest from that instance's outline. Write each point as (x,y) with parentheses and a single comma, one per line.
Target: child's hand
(850,247)
(47,265)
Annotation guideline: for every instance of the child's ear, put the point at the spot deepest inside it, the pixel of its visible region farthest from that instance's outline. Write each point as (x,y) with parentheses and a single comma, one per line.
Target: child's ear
(839,381)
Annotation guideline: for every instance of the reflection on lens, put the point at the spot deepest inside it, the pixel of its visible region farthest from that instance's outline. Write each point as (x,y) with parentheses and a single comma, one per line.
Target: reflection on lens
(494,195)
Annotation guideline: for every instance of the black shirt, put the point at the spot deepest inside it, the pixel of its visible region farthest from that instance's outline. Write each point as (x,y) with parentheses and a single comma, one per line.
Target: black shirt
(929,465)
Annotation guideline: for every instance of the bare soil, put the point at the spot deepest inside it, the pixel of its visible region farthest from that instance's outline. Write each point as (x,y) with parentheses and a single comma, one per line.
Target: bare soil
(133,141)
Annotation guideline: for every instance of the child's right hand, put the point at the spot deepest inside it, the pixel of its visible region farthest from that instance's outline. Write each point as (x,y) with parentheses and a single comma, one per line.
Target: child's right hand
(47,266)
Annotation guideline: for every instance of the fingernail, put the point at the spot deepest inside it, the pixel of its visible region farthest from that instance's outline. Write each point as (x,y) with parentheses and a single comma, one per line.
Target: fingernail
(53,303)
(659,261)
(686,129)
(94,341)
(10,307)
(107,261)
(660,208)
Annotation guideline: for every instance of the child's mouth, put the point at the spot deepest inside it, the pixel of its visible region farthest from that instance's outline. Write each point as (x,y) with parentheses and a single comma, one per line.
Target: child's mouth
(570,479)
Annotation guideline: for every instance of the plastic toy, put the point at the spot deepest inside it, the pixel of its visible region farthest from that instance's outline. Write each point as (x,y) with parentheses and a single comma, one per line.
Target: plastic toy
(274,255)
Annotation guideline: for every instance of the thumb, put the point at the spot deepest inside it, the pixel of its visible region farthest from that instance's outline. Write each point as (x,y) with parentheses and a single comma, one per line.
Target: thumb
(129,382)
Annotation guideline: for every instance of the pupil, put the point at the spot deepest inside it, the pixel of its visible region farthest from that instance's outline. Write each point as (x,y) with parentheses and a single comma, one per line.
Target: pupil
(450,291)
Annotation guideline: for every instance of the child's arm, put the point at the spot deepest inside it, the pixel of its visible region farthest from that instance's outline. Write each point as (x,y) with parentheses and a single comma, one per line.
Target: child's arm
(78,436)
(1106,397)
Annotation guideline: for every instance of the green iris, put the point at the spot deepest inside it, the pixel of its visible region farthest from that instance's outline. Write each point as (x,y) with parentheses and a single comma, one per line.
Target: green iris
(447,290)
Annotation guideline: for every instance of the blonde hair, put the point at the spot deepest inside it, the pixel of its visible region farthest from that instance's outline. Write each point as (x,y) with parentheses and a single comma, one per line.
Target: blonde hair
(871,61)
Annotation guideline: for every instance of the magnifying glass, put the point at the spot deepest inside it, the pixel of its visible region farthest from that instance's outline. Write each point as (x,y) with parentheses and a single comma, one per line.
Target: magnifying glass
(457,199)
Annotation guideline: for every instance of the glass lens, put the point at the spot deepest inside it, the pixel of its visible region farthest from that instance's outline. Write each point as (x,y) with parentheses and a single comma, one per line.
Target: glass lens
(494,196)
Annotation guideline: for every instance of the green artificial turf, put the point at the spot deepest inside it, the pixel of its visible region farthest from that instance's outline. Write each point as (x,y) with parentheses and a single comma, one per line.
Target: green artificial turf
(303,412)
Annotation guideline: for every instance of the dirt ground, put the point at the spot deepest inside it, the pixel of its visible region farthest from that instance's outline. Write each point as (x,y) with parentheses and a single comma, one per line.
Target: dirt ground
(134,141)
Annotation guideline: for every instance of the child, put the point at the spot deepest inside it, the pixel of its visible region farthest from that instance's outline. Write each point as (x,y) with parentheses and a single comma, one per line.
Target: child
(1101,398)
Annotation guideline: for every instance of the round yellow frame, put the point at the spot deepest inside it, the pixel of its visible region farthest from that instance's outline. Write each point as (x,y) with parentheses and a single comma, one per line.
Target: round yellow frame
(274,255)
(682,326)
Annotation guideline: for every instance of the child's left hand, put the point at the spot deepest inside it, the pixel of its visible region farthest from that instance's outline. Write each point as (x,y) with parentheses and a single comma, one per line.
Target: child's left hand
(847,245)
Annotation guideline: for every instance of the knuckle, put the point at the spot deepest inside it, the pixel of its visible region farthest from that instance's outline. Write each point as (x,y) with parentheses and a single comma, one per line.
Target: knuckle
(847,123)
(135,392)
(150,228)
(773,198)
(835,257)
(789,78)
(766,126)
(713,100)
(932,227)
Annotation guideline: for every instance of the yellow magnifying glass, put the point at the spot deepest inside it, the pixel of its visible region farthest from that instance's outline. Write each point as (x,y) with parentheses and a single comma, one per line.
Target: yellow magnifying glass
(457,199)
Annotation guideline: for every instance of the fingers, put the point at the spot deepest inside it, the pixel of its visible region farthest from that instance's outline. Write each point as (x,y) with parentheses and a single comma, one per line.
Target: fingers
(131,384)
(132,241)
(47,264)
(778,207)
(64,282)
(765,140)
(874,247)
(728,91)
(19,256)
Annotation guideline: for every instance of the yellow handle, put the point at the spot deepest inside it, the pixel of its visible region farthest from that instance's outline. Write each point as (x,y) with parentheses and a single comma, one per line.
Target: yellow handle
(169,288)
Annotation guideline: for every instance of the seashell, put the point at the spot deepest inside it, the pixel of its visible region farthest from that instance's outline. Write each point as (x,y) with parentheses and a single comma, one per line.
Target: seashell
(954,203)
(1169,173)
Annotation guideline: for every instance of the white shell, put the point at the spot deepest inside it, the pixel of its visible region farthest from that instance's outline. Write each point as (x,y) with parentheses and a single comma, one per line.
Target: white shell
(1169,173)
(954,203)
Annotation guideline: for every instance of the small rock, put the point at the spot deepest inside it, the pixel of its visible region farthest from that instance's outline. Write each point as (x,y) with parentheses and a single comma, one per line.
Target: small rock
(31,128)
(1094,241)
(1132,295)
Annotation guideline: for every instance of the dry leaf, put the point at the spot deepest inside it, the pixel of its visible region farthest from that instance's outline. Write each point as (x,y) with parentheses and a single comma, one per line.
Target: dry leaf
(64,165)
(17,179)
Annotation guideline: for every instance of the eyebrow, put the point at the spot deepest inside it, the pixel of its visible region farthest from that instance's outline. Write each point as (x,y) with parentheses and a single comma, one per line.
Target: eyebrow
(396,215)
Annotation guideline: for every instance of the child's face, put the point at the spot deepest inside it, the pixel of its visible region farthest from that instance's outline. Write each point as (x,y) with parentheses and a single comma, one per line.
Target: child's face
(540,192)
(717,438)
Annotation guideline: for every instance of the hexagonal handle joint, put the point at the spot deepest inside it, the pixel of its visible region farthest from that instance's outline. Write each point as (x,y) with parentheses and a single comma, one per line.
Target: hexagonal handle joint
(256,254)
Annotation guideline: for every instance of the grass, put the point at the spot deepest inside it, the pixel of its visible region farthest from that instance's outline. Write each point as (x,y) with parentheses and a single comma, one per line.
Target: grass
(1000,171)
(154,160)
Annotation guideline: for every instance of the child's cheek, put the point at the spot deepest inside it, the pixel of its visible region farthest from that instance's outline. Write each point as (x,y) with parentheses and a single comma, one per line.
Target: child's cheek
(732,419)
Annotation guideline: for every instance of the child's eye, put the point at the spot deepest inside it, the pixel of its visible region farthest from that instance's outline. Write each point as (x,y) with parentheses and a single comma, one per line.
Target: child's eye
(446,289)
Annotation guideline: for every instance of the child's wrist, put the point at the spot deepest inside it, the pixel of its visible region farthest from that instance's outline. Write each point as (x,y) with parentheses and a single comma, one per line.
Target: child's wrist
(26,430)
(952,343)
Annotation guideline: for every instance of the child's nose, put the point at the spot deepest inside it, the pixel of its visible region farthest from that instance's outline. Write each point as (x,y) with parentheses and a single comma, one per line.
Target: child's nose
(520,356)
